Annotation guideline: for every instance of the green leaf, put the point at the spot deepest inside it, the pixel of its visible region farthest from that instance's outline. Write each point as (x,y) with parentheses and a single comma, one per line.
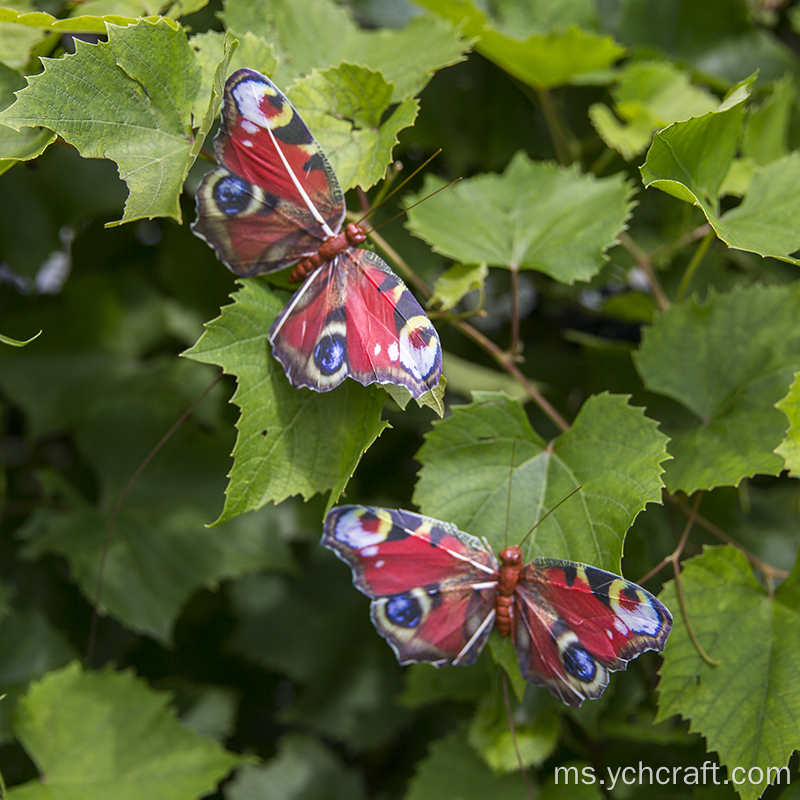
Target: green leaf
(748,707)
(317,34)
(457,282)
(209,99)
(490,735)
(766,131)
(690,159)
(451,769)
(83,23)
(17,41)
(542,61)
(156,559)
(106,734)
(16,342)
(303,769)
(128,99)
(789,448)
(612,452)
(20,145)
(211,47)
(347,108)
(291,441)
(465,376)
(728,361)
(533,216)
(766,221)
(31,646)
(649,95)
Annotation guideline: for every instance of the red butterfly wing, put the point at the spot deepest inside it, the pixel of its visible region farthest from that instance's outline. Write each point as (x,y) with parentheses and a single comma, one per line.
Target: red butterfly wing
(432,586)
(355,317)
(575,624)
(274,197)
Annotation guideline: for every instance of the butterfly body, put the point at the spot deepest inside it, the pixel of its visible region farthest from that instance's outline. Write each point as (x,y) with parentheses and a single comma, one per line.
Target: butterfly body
(273,201)
(437,592)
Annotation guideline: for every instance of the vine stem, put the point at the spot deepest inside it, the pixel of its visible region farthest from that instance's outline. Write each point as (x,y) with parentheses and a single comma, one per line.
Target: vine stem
(705,243)
(770,572)
(509,366)
(554,126)
(674,559)
(513,730)
(504,360)
(115,513)
(646,265)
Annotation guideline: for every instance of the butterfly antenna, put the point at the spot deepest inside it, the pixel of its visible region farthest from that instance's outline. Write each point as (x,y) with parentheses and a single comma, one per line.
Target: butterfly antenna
(98,592)
(414,205)
(559,503)
(513,731)
(399,187)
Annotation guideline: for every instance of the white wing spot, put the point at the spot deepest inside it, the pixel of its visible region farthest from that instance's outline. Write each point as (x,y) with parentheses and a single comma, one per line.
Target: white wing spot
(377,349)
(393,351)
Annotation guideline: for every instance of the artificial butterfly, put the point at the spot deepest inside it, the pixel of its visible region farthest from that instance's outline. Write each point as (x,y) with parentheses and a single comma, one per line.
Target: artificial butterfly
(437,592)
(274,200)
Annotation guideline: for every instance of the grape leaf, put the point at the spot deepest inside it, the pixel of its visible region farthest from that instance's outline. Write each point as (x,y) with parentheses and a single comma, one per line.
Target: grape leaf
(748,706)
(464,377)
(291,441)
(535,739)
(451,769)
(789,448)
(16,342)
(544,60)
(612,452)
(690,159)
(534,216)
(347,109)
(649,95)
(17,41)
(728,361)
(456,282)
(31,646)
(24,144)
(83,23)
(106,734)
(303,769)
(156,558)
(317,34)
(128,99)
(249,51)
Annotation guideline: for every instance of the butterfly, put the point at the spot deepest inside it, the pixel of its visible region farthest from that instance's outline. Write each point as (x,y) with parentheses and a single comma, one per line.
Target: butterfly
(274,200)
(437,592)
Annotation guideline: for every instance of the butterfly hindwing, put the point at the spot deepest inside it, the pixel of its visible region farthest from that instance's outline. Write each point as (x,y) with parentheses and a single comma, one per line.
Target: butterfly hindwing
(430,584)
(274,197)
(354,317)
(577,623)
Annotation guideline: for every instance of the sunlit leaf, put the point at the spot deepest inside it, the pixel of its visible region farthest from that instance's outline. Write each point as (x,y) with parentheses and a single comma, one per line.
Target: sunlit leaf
(291,441)
(146,78)
(612,452)
(534,216)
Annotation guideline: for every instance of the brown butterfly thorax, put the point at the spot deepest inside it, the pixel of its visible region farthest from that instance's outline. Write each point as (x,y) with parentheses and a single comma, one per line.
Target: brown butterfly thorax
(352,236)
(511,564)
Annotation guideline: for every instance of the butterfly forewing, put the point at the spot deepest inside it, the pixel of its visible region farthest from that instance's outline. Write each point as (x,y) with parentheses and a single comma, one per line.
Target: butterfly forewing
(355,317)
(577,623)
(431,585)
(274,197)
